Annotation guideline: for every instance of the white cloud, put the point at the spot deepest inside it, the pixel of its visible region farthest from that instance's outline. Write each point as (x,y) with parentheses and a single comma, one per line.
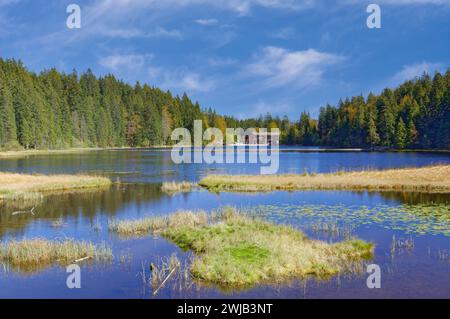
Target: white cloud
(410,72)
(134,33)
(117,62)
(239,6)
(245,6)
(193,82)
(176,79)
(161,32)
(262,108)
(409,2)
(401,2)
(121,33)
(8,25)
(221,62)
(179,79)
(285,33)
(278,66)
(207,22)
(8,2)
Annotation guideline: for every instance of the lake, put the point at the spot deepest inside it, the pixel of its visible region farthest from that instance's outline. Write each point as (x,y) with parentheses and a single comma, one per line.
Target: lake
(411,231)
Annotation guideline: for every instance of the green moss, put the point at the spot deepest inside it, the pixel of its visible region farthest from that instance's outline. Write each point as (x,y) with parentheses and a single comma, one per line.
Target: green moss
(249,254)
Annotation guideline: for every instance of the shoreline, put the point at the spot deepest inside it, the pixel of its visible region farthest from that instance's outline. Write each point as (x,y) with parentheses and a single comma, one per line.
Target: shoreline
(282,148)
(24,153)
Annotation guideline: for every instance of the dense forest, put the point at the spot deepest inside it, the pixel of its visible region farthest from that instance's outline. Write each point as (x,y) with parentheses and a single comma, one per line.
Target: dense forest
(57,110)
(416,115)
(54,110)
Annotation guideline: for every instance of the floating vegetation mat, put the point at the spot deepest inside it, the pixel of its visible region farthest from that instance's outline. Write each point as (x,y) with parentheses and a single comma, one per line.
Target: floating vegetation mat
(421,219)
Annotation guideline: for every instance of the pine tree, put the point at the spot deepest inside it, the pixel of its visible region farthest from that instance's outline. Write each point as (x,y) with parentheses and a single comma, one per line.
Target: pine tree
(167,125)
(8,131)
(293,135)
(219,122)
(411,133)
(373,138)
(400,135)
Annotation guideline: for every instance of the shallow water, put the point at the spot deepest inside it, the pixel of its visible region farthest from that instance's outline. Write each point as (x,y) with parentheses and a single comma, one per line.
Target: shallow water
(383,218)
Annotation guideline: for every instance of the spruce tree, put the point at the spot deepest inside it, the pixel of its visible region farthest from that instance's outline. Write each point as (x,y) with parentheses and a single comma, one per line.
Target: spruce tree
(400,134)
(8,131)
(373,138)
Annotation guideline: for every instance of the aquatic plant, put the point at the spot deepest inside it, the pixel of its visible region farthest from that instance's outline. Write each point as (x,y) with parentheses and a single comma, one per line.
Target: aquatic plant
(443,254)
(58,223)
(332,229)
(96,226)
(164,270)
(418,219)
(401,245)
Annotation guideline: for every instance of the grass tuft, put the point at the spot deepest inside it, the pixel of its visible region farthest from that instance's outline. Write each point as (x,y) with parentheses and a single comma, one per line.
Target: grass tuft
(34,254)
(151,225)
(177,187)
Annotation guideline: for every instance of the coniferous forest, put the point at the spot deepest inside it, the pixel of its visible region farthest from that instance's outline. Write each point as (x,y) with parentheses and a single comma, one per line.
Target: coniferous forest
(54,110)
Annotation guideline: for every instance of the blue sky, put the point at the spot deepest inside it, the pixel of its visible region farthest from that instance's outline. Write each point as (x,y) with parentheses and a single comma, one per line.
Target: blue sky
(240,57)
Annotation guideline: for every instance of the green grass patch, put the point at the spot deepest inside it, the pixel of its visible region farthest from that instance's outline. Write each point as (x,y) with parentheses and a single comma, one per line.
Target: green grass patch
(234,249)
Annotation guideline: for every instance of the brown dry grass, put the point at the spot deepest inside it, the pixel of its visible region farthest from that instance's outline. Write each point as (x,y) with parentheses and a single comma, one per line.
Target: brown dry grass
(144,226)
(431,179)
(177,187)
(24,153)
(22,186)
(33,254)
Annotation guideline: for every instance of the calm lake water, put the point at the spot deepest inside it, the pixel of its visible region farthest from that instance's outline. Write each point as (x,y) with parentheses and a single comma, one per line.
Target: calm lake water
(417,270)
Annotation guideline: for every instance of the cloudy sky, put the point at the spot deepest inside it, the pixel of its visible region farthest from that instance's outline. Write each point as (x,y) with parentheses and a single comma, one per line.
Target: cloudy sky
(241,57)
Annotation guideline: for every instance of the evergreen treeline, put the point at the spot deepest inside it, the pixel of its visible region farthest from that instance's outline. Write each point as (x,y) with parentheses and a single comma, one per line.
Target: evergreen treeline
(57,110)
(414,115)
